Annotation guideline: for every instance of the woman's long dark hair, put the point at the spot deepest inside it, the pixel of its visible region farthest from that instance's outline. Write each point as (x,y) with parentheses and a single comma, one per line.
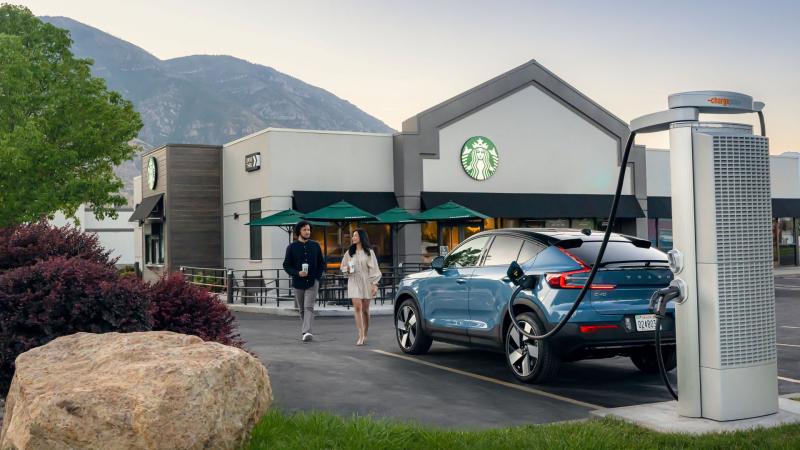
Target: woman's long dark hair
(364,238)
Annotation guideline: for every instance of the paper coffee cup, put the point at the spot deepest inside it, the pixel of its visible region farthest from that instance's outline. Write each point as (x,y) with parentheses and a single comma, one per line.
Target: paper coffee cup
(305,267)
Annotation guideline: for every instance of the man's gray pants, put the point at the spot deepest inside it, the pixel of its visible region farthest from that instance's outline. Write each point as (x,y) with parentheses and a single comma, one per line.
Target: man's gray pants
(304,301)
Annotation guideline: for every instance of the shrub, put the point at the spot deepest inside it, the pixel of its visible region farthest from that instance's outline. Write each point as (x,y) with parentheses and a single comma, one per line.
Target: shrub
(24,245)
(61,296)
(179,306)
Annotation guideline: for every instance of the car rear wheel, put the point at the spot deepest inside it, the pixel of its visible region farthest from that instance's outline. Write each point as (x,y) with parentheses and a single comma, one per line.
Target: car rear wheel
(408,329)
(645,360)
(530,360)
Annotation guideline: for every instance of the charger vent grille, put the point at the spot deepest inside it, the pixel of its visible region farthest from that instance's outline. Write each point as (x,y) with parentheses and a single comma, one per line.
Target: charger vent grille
(744,250)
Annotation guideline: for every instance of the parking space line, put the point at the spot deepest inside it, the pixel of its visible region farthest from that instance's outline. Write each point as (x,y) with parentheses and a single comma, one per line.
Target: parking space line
(791,327)
(789,345)
(492,380)
(790,380)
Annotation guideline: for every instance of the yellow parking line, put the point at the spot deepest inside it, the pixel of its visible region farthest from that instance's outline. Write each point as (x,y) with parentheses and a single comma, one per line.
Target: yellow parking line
(789,345)
(790,380)
(492,380)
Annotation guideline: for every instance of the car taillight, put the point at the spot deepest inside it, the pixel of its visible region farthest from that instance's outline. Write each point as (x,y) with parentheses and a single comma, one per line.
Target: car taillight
(595,328)
(566,280)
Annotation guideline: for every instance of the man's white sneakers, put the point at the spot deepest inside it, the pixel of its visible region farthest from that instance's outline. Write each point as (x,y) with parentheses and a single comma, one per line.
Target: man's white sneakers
(307,337)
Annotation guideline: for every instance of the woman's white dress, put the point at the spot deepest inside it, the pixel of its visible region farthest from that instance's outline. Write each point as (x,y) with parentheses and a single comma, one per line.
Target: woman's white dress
(367,274)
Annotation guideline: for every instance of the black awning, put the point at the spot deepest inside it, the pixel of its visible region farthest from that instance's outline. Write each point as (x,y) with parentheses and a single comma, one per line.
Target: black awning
(537,206)
(786,207)
(145,208)
(372,202)
(659,207)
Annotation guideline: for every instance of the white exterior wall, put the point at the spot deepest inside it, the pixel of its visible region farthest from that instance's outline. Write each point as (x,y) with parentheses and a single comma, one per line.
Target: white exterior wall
(658,183)
(294,160)
(784,174)
(116,235)
(543,147)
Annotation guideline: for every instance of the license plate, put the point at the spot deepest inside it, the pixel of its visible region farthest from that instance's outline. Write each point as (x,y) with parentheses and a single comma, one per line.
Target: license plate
(646,322)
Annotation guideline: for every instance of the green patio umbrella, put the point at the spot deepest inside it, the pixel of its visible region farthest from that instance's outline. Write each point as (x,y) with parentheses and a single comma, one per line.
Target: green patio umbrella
(284,220)
(450,211)
(340,212)
(395,218)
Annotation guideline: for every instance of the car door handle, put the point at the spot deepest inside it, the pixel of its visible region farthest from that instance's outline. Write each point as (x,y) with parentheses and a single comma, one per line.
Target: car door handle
(461,281)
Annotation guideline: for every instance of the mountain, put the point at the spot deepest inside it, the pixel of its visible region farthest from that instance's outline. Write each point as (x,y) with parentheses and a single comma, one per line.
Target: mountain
(207,99)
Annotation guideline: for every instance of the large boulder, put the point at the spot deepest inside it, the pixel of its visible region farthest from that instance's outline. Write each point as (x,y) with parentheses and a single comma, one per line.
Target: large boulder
(153,390)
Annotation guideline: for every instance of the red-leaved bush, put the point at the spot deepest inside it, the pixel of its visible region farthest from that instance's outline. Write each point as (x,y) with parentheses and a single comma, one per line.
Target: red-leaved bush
(61,296)
(184,308)
(24,245)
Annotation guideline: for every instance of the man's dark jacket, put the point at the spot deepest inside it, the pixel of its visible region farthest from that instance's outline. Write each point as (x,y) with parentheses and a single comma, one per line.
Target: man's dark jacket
(298,253)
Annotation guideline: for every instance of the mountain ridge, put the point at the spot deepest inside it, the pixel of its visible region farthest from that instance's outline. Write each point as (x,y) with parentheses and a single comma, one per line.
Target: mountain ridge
(207,99)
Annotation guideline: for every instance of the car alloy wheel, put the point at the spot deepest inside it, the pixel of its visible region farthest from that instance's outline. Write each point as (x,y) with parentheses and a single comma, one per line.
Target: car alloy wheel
(522,353)
(407,327)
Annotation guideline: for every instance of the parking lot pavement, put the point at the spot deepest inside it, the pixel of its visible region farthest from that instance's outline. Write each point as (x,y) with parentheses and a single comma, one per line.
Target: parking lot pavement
(453,386)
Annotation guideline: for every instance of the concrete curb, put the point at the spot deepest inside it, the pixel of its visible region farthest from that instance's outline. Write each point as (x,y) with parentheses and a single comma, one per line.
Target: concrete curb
(385,310)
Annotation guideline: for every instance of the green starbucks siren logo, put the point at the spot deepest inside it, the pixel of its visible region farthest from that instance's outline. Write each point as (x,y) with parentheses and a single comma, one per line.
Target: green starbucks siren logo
(479,158)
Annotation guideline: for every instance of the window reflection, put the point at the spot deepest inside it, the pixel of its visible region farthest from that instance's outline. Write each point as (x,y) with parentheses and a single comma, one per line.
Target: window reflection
(466,255)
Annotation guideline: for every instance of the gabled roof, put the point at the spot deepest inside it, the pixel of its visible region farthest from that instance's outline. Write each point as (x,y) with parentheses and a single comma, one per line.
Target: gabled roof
(428,122)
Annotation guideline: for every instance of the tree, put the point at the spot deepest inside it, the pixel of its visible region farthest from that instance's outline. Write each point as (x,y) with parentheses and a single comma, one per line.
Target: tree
(61,130)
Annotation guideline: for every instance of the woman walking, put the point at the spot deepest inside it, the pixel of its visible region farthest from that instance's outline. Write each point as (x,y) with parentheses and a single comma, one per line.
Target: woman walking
(361,266)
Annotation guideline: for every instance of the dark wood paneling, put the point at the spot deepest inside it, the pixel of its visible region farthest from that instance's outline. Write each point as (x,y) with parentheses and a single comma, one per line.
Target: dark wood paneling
(194,207)
(161,175)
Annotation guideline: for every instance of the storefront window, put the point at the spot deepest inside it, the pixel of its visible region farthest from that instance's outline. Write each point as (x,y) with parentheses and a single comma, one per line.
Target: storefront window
(533,223)
(255,232)
(664,234)
(580,224)
(652,232)
(448,235)
(492,224)
(471,229)
(333,246)
(787,246)
(154,244)
(429,248)
(556,223)
(380,237)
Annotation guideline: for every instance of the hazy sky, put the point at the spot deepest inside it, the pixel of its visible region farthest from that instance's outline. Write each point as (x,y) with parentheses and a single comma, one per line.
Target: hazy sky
(395,59)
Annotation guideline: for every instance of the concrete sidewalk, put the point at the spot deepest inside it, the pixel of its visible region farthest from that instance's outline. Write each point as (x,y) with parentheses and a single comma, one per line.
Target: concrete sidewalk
(288,309)
(790,271)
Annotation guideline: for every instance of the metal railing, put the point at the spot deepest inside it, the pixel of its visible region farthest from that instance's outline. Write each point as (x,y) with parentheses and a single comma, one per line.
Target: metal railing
(274,286)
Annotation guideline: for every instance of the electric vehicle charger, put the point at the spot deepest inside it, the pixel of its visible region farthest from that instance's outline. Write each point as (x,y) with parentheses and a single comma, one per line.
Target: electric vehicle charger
(659,300)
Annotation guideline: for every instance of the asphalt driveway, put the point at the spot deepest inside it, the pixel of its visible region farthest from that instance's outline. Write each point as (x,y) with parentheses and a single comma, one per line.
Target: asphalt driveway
(458,387)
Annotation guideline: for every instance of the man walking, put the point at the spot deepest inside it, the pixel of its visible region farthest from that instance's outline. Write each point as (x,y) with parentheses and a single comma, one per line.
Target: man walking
(305,264)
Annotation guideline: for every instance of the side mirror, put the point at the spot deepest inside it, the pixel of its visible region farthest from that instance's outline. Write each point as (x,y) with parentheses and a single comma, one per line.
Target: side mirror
(438,264)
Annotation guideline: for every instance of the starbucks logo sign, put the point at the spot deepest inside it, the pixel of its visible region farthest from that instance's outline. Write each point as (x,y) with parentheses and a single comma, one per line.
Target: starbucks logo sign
(479,158)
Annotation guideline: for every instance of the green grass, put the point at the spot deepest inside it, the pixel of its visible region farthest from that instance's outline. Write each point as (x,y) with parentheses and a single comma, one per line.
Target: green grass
(326,431)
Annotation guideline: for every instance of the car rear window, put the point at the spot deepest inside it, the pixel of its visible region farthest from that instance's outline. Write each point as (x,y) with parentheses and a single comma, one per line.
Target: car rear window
(617,252)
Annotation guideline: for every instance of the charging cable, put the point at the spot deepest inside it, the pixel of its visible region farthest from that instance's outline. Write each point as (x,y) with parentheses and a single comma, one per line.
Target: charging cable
(526,281)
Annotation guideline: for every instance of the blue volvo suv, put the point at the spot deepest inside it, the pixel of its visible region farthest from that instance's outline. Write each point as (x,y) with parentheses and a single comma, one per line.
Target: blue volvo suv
(463,300)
